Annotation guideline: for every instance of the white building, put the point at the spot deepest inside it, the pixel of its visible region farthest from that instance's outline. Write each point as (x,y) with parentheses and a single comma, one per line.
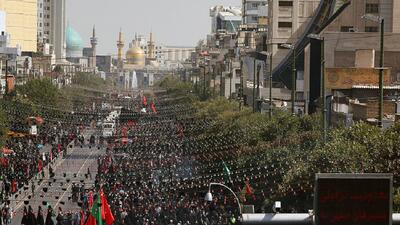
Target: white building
(51,25)
(177,53)
(57,28)
(224,18)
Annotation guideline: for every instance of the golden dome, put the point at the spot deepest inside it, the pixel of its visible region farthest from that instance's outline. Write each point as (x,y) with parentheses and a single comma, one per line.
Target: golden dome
(135,56)
(135,52)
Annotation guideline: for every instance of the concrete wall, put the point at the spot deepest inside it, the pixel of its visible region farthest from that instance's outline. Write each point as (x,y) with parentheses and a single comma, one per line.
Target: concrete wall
(344,46)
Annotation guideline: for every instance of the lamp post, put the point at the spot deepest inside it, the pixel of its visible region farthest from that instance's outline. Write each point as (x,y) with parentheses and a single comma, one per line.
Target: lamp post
(294,74)
(324,109)
(254,85)
(209,196)
(204,82)
(381,21)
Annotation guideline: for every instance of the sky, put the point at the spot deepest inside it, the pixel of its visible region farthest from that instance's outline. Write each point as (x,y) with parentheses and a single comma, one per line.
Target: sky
(173,22)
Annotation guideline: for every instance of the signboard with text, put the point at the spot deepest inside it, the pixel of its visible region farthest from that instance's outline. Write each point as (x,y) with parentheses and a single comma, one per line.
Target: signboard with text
(353,199)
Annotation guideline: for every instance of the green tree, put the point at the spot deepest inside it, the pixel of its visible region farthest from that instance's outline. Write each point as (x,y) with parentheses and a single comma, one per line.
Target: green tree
(40,92)
(4,125)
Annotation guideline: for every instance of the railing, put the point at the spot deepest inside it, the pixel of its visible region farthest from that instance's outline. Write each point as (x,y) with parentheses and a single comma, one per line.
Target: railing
(289,219)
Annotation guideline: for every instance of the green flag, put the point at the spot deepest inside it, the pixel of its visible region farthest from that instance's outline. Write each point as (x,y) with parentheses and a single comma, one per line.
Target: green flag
(227,172)
(96,211)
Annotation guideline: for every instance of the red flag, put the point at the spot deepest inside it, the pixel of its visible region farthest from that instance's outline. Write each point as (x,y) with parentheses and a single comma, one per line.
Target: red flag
(249,191)
(91,220)
(90,199)
(105,210)
(144,100)
(51,155)
(153,107)
(131,123)
(59,148)
(82,219)
(4,162)
(14,186)
(40,165)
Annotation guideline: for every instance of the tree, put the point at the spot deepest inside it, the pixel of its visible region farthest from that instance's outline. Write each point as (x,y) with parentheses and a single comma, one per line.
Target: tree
(40,92)
(4,124)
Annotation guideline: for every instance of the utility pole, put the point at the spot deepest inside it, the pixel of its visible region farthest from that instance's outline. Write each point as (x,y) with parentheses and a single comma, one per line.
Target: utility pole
(294,80)
(6,90)
(214,77)
(204,87)
(220,84)
(381,21)
(270,86)
(324,110)
(254,85)
(381,72)
(258,81)
(241,86)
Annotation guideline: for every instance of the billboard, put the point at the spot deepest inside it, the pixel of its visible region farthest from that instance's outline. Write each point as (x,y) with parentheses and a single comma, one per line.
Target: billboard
(353,199)
(345,78)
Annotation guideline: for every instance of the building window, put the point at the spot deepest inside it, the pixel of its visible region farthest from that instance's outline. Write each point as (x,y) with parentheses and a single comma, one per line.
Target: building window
(346,29)
(285,24)
(371,29)
(285,3)
(254,5)
(371,8)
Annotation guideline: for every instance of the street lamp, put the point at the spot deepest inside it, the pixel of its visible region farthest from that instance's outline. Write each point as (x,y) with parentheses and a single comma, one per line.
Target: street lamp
(293,48)
(209,196)
(381,20)
(324,110)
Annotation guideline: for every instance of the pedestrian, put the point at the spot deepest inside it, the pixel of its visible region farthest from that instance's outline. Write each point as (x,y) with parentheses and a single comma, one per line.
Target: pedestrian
(24,220)
(31,219)
(50,214)
(40,218)
(33,189)
(60,217)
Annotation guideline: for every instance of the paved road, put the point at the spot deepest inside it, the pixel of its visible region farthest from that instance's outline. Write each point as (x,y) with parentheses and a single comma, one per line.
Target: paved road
(75,166)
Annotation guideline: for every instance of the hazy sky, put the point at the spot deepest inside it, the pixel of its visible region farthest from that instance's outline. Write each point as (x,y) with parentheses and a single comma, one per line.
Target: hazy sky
(173,22)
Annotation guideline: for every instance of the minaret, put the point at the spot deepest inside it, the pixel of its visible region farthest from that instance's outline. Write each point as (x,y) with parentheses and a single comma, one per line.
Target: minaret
(151,48)
(93,42)
(120,46)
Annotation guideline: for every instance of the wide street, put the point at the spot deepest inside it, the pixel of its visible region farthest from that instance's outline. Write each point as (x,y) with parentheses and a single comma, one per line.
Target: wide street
(68,171)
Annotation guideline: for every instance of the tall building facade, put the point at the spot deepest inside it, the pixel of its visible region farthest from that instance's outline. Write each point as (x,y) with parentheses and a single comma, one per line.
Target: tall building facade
(350,20)
(254,11)
(21,23)
(44,21)
(51,23)
(58,28)
(287,21)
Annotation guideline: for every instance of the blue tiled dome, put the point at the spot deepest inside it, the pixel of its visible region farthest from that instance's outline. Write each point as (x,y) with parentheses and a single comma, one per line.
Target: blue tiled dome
(74,42)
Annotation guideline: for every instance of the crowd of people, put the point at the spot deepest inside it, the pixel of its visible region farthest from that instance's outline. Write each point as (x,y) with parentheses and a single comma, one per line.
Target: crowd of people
(159,174)
(25,155)
(163,174)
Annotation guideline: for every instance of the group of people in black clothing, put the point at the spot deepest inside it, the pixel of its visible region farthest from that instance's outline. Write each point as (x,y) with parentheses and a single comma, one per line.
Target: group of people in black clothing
(157,178)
